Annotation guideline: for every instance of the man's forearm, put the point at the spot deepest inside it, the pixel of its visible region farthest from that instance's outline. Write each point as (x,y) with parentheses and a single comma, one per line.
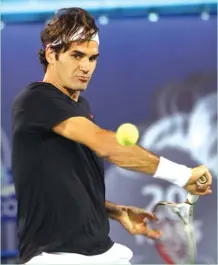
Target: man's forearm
(114,210)
(134,158)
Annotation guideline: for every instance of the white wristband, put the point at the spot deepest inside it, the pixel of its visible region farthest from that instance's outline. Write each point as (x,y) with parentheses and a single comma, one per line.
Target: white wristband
(173,172)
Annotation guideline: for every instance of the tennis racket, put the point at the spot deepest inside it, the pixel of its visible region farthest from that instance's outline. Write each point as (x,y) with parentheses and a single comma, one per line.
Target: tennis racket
(177,243)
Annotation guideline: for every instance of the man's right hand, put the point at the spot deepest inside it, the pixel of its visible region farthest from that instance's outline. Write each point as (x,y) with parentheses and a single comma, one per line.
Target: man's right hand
(194,187)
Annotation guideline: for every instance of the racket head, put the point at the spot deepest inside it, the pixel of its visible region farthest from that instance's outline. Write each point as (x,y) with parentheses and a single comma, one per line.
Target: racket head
(177,243)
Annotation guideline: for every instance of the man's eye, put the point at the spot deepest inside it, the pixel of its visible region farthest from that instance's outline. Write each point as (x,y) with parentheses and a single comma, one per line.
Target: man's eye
(92,59)
(76,56)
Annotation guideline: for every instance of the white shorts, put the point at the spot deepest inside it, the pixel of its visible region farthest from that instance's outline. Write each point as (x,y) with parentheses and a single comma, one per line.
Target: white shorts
(117,254)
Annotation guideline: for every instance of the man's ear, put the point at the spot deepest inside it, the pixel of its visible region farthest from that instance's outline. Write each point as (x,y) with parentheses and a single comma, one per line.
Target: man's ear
(50,55)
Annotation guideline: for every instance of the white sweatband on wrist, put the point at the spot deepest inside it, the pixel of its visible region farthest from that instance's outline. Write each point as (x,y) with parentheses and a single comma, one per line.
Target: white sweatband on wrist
(173,172)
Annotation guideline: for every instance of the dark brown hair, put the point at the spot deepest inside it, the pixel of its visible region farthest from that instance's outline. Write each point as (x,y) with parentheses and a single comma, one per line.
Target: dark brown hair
(65,23)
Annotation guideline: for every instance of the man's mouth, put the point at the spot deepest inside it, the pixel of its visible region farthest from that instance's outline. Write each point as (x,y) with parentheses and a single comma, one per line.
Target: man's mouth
(83,79)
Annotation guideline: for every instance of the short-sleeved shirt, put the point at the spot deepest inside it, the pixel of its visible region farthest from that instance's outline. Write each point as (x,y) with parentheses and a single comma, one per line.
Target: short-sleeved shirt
(59,183)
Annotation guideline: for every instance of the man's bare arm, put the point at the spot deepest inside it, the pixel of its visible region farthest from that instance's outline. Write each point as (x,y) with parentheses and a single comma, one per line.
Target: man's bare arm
(114,210)
(135,158)
(104,143)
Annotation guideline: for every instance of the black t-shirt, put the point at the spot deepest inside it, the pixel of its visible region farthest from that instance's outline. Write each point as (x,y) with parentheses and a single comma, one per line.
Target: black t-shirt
(59,183)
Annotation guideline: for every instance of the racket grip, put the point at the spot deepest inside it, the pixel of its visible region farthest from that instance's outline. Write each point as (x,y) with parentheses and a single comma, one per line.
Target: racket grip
(191,198)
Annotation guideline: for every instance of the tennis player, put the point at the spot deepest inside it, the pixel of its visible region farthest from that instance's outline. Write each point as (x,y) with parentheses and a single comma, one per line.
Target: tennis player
(58,153)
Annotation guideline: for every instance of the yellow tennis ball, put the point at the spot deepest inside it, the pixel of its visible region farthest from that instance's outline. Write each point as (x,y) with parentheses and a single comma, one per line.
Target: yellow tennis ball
(127,134)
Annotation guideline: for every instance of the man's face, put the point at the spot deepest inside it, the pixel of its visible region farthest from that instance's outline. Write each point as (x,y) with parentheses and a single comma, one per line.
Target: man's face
(74,68)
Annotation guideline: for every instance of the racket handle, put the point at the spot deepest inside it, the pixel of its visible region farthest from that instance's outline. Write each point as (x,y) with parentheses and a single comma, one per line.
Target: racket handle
(191,199)
(202,180)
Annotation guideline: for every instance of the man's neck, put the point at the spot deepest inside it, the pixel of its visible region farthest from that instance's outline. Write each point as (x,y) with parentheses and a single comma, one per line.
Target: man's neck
(74,95)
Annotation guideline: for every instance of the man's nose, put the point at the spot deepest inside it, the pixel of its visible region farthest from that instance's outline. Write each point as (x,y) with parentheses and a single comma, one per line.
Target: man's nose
(85,65)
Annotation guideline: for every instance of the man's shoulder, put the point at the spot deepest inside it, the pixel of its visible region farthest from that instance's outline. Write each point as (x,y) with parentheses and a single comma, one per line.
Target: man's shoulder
(32,91)
(39,87)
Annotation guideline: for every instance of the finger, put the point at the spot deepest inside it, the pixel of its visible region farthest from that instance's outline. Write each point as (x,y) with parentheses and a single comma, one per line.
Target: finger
(153,234)
(150,216)
(203,187)
(206,192)
(209,177)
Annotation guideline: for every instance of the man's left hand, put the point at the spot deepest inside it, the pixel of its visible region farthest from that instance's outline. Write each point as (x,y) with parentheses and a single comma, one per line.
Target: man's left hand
(134,220)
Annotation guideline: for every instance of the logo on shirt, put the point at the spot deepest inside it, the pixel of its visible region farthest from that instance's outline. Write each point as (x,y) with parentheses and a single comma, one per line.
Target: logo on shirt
(91,115)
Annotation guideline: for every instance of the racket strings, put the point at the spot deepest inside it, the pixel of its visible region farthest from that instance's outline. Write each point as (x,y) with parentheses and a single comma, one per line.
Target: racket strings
(175,241)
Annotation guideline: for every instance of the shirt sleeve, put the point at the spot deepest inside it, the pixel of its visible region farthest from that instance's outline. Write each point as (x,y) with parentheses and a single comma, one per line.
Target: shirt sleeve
(44,108)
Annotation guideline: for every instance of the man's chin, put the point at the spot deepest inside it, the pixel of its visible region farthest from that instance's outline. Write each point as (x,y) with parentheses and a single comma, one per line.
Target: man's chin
(79,88)
(82,89)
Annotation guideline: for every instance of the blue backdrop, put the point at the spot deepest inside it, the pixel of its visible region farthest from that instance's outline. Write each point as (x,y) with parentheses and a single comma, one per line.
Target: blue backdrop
(160,76)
